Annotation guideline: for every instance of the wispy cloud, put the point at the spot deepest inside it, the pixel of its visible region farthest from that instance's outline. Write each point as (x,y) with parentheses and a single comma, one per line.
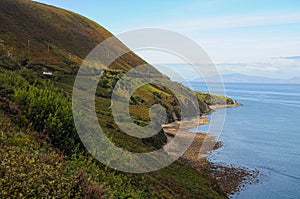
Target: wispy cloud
(247,67)
(234,21)
(262,68)
(275,68)
(280,68)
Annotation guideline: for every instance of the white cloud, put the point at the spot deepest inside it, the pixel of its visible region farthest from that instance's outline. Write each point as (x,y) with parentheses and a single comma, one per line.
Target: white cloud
(277,68)
(262,68)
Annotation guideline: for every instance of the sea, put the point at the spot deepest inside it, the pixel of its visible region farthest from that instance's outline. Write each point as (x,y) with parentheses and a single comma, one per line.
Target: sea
(262,134)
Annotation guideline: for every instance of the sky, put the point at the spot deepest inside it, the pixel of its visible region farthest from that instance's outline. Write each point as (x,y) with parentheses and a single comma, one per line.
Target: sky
(253,37)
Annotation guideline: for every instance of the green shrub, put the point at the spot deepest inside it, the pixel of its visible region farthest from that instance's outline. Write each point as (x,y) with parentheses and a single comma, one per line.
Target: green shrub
(30,168)
(50,111)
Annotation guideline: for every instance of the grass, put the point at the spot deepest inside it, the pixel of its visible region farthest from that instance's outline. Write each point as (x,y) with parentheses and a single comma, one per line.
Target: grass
(29,28)
(79,168)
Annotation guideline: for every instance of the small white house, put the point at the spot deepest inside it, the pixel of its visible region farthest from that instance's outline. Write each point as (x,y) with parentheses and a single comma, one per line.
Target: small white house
(48,73)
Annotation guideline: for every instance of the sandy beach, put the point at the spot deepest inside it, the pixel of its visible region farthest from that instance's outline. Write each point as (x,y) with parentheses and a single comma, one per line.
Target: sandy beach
(230,178)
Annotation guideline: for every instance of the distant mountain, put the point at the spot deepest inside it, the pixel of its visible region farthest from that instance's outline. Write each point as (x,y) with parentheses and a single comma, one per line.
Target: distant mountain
(241,78)
(294,80)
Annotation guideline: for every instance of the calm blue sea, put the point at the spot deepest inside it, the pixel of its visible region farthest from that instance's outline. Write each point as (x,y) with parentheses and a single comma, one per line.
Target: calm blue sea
(263,134)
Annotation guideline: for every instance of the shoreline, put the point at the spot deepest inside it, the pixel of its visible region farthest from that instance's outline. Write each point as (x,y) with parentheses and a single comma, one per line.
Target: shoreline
(230,178)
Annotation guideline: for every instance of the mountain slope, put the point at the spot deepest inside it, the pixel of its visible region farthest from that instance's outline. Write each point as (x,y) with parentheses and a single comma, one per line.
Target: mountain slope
(26,31)
(34,33)
(45,38)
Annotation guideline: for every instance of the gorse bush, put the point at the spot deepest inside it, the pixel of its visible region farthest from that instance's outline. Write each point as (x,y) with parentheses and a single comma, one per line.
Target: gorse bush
(30,168)
(46,108)
(9,81)
(50,111)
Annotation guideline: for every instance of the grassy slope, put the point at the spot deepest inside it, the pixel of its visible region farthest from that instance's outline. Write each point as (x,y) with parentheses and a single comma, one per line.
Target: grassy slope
(76,173)
(66,33)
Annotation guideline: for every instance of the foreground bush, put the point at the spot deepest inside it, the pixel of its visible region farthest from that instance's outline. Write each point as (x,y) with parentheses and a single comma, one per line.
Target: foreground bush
(30,168)
(49,111)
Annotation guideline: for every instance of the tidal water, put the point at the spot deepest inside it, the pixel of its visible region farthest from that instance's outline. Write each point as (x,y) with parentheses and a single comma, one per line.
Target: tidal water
(263,134)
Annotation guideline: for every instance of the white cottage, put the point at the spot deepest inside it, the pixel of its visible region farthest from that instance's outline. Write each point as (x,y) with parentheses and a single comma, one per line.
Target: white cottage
(48,73)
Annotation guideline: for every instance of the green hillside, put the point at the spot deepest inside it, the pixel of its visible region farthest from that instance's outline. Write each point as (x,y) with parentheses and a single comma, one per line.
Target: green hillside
(37,125)
(37,35)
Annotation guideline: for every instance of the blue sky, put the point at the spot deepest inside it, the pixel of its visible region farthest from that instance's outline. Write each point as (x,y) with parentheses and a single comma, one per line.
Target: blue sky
(251,37)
